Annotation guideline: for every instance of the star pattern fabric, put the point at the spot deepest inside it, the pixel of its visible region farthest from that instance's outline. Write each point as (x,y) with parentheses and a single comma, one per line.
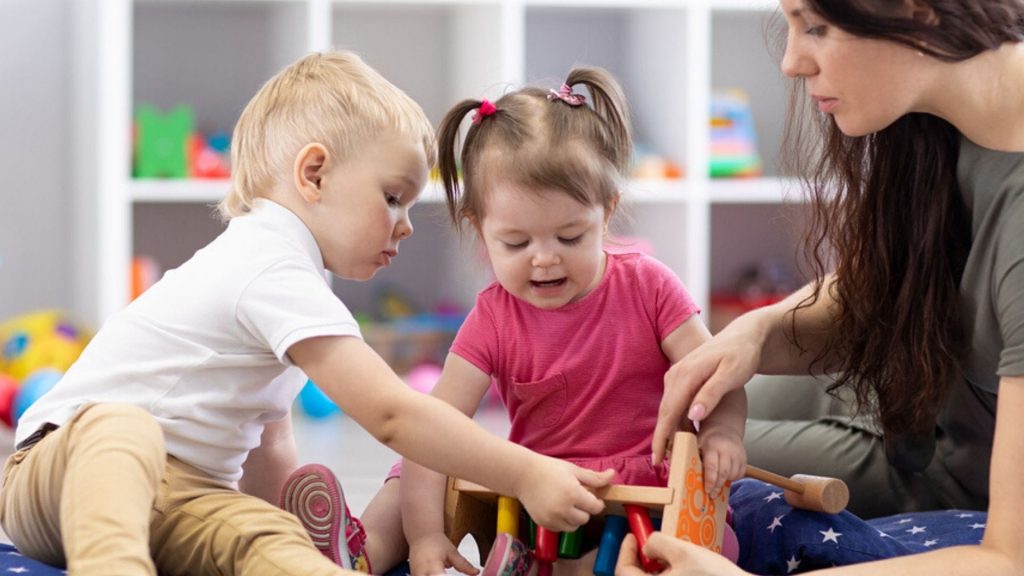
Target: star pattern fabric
(12,562)
(775,538)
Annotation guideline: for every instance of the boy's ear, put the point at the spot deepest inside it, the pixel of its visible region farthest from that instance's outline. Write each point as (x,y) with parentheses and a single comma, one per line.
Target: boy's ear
(310,166)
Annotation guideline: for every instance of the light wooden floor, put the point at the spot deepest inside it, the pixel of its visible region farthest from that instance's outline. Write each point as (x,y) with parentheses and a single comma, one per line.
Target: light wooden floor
(360,462)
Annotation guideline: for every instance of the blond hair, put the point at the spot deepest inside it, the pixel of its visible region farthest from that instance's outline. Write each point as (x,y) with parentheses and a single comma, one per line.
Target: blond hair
(333,98)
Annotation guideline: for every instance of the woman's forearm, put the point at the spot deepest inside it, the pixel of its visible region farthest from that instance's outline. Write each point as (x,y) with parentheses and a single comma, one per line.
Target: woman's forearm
(778,324)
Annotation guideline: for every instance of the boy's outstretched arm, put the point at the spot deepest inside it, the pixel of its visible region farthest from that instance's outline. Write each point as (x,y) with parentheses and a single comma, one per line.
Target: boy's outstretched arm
(428,430)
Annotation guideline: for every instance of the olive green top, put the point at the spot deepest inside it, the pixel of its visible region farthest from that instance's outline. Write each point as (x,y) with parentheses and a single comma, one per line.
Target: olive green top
(992,292)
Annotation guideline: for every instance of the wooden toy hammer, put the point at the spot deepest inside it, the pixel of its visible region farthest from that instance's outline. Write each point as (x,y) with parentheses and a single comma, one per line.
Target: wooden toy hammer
(818,493)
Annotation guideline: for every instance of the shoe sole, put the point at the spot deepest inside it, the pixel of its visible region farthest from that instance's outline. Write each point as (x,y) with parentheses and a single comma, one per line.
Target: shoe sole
(314,496)
(498,559)
(508,557)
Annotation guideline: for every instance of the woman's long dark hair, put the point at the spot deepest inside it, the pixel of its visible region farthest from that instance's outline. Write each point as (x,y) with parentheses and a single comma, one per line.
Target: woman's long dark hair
(887,212)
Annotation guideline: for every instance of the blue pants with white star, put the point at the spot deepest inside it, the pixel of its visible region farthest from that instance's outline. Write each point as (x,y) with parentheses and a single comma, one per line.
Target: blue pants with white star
(775,538)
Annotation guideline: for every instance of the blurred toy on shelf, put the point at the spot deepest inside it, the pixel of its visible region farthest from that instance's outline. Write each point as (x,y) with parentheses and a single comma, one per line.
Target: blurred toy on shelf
(37,384)
(647,164)
(423,377)
(755,286)
(315,403)
(42,339)
(37,347)
(391,303)
(408,342)
(144,273)
(733,136)
(162,141)
(405,336)
(168,145)
(435,174)
(8,388)
(209,157)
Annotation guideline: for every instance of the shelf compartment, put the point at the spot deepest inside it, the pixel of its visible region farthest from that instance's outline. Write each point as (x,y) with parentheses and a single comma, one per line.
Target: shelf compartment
(621,40)
(438,52)
(212,56)
(171,233)
(740,58)
(756,235)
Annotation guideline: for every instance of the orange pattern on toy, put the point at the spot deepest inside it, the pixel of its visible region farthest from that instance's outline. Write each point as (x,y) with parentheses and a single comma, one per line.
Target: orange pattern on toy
(700,515)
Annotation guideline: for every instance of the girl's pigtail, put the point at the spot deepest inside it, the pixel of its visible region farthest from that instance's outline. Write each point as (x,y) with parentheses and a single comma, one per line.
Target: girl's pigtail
(447,156)
(610,104)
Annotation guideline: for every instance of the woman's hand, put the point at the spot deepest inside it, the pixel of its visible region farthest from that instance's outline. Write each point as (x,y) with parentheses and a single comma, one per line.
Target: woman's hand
(696,384)
(681,558)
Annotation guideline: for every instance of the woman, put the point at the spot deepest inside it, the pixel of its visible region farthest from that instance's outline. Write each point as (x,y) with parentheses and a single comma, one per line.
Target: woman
(918,202)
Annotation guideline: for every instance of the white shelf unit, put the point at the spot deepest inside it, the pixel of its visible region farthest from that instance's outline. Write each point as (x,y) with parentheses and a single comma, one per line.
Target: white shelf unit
(214,54)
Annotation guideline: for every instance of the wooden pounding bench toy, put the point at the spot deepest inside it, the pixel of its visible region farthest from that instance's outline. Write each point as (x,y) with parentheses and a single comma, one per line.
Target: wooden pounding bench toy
(687,511)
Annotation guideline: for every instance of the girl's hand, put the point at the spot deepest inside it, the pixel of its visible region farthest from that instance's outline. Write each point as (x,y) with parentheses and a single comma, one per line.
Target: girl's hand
(681,558)
(723,457)
(558,495)
(695,385)
(434,554)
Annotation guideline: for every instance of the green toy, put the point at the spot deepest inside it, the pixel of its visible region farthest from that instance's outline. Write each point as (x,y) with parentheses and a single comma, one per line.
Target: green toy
(161,145)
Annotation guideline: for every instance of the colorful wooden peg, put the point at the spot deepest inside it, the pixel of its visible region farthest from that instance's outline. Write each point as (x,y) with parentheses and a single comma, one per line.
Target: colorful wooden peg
(508,516)
(570,544)
(641,526)
(611,540)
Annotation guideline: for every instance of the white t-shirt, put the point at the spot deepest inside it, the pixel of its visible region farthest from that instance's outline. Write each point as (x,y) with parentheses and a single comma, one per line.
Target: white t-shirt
(204,349)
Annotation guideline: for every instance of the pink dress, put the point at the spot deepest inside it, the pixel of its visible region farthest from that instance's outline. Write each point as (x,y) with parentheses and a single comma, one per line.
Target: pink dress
(583,382)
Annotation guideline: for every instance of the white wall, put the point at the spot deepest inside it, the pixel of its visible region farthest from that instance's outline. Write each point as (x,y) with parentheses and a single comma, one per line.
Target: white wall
(35,161)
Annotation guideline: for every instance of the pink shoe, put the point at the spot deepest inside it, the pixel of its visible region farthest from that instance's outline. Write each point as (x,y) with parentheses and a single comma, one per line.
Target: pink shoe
(313,494)
(508,557)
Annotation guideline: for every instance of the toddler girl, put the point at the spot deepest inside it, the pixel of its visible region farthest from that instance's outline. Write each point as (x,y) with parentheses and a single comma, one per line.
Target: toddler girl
(577,339)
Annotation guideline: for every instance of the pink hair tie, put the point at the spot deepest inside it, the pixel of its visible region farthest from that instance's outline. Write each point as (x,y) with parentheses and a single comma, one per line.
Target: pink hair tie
(486,109)
(565,94)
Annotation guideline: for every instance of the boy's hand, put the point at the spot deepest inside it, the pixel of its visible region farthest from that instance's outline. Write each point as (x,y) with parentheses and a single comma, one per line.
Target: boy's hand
(723,457)
(556,494)
(434,554)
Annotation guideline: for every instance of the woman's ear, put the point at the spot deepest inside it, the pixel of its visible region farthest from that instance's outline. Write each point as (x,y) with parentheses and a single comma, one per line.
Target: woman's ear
(921,12)
(310,166)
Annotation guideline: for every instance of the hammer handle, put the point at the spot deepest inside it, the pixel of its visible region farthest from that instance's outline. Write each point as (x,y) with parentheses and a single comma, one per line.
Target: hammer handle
(774,479)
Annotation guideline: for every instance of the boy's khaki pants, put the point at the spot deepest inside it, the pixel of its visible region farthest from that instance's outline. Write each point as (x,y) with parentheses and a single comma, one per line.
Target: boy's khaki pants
(99,495)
